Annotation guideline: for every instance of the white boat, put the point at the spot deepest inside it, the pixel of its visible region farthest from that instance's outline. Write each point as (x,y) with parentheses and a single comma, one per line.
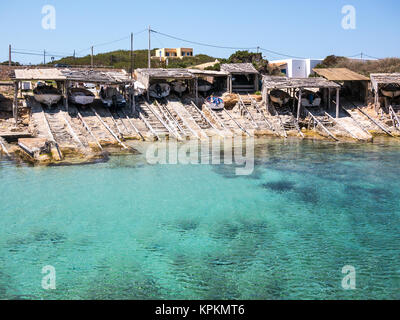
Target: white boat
(310,99)
(111,97)
(47,95)
(204,86)
(159,90)
(91,87)
(215,103)
(279,97)
(179,87)
(391,91)
(81,96)
(139,88)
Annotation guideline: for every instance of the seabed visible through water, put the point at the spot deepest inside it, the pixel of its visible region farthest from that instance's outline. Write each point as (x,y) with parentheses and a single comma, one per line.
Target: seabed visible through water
(125,229)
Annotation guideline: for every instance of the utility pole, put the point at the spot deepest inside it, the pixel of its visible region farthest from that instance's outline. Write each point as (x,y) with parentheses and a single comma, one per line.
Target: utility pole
(149,53)
(361,55)
(44,56)
(258,49)
(132,55)
(9,55)
(74,55)
(91,58)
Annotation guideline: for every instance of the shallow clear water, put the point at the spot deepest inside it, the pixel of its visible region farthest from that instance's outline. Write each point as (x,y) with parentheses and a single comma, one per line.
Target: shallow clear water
(128,230)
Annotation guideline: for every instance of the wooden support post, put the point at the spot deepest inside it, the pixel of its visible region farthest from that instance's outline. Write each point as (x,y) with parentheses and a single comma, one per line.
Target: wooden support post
(196,89)
(66,96)
(267,99)
(230,84)
(15,102)
(337,103)
(329,99)
(377,104)
(299,105)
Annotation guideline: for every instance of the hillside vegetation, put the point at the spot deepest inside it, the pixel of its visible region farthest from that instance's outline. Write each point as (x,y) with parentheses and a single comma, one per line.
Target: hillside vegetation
(121,59)
(365,67)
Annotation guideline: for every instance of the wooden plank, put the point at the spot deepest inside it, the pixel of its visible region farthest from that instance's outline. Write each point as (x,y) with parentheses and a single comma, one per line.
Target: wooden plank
(253,122)
(175,134)
(395,118)
(237,123)
(255,104)
(3,146)
(148,125)
(357,123)
(46,122)
(88,130)
(133,126)
(323,127)
(340,125)
(185,122)
(375,122)
(215,116)
(109,129)
(72,131)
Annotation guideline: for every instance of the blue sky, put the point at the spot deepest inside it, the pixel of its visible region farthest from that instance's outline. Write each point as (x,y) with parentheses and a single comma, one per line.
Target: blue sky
(307,28)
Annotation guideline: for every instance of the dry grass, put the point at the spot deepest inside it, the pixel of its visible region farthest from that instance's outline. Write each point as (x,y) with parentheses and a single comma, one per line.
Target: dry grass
(365,67)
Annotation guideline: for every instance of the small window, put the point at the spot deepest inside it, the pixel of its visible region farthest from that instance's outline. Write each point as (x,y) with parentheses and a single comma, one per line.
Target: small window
(284,71)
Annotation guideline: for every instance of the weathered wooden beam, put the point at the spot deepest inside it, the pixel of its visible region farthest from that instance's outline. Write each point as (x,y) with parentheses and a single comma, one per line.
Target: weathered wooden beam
(299,105)
(322,126)
(337,103)
(89,130)
(109,129)
(375,122)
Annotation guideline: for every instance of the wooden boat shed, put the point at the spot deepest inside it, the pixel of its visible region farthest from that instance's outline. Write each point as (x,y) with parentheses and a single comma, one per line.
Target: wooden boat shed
(381,79)
(243,77)
(149,77)
(292,84)
(354,85)
(63,78)
(218,78)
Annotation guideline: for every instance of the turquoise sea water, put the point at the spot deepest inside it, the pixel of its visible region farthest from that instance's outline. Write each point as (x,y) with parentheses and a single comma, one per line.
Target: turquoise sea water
(128,230)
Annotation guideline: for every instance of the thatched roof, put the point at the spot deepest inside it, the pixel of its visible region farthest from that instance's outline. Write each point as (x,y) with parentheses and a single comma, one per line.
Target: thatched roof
(165,73)
(84,75)
(81,75)
(208,73)
(384,78)
(38,74)
(339,74)
(270,82)
(231,68)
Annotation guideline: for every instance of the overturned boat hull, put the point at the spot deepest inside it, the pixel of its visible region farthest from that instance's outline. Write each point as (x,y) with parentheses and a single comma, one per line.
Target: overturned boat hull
(81,97)
(47,99)
(279,97)
(159,90)
(179,87)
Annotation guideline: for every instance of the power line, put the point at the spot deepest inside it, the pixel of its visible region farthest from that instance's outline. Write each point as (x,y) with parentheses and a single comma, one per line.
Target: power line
(200,43)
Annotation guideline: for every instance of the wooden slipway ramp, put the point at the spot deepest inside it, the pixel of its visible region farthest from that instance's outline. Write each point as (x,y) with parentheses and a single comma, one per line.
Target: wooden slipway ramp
(366,121)
(191,118)
(56,127)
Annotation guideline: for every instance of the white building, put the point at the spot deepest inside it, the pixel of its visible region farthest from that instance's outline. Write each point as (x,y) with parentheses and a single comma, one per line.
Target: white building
(296,68)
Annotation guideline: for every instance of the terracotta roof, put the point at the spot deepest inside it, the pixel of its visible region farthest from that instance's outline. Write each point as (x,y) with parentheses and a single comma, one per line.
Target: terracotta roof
(340,74)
